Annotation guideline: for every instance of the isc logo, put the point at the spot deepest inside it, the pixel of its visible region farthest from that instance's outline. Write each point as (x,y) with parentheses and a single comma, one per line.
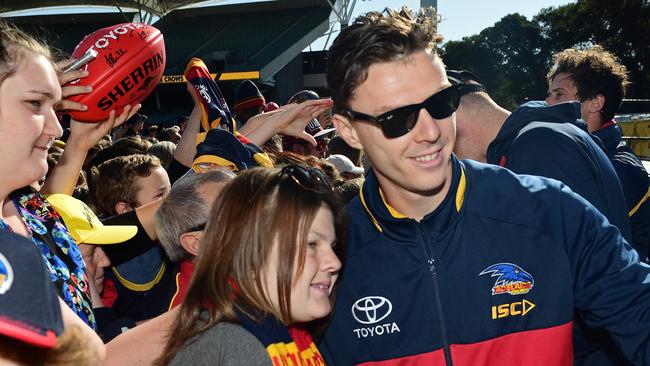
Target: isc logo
(512,309)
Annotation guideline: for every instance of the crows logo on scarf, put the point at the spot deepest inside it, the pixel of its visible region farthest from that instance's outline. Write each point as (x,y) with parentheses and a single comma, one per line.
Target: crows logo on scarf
(214,110)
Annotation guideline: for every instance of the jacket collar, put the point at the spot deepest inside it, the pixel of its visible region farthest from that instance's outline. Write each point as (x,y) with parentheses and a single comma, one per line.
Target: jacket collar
(387,220)
(611,137)
(568,112)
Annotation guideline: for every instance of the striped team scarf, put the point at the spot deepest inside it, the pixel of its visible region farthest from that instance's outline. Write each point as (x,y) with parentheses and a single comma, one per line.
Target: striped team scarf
(218,142)
(286,346)
(214,110)
(222,148)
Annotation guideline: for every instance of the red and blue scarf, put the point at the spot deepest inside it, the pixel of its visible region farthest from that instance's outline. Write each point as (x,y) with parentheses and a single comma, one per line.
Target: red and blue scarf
(286,345)
(214,110)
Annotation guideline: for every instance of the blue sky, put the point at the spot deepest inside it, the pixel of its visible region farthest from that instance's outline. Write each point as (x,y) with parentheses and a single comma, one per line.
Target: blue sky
(461,18)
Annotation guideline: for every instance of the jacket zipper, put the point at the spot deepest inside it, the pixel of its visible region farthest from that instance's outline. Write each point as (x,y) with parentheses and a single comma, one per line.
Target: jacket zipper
(436,289)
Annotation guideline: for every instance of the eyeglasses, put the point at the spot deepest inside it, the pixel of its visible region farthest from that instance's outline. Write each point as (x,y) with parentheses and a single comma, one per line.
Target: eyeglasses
(199,227)
(308,178)
(400,121)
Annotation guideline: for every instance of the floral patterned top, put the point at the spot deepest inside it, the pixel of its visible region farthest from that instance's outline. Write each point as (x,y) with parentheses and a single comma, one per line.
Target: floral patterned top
(60,253)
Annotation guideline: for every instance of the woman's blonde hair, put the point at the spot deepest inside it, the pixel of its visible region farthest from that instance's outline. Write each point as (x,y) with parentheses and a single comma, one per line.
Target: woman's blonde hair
(71,349)
(15,46)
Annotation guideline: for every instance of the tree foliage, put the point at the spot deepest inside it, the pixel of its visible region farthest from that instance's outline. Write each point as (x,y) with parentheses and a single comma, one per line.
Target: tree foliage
(513,56)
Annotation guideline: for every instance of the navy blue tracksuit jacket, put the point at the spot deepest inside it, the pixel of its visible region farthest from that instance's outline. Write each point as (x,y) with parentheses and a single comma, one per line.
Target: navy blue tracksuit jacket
(553,142)
(635,182)
(491,277)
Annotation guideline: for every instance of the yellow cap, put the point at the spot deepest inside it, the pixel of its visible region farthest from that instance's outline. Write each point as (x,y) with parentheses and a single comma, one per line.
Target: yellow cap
(84,226)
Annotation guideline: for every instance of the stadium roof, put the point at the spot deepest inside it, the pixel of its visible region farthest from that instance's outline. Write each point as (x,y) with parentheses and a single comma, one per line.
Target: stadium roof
(244,40)
(157,7)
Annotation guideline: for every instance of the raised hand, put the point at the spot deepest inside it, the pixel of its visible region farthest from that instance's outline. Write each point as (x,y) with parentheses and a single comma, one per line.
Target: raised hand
(290,120)
(68,90)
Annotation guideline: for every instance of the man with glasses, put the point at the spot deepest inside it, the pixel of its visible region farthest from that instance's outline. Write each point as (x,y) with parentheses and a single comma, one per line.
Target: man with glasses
(458,262)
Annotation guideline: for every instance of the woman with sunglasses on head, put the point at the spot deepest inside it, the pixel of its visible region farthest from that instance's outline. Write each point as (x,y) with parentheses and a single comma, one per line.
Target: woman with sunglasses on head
(266,268)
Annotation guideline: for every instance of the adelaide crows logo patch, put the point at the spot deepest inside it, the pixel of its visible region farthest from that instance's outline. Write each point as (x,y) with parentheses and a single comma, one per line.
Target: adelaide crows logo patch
(511,279)
(6,275)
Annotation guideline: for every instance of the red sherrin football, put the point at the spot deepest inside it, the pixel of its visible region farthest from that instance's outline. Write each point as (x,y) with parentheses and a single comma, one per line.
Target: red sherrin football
(130,63)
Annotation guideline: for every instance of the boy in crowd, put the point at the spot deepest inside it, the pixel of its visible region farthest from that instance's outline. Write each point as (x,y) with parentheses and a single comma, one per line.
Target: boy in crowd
(139,283)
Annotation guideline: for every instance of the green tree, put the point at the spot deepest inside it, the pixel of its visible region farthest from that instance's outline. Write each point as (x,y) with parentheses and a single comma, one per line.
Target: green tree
(621,27)
(507,56)
(514,55)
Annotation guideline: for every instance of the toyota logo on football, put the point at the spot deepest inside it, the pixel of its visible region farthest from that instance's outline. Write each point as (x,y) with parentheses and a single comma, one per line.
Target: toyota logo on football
(371,309)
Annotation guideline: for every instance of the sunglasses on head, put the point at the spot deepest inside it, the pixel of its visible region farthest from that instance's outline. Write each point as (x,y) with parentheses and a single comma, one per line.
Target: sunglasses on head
(308,178)
(400,121)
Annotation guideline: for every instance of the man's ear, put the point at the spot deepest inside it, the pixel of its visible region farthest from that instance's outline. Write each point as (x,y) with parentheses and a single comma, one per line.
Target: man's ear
(597,104)
(191,242)
(122,207)
(346,131)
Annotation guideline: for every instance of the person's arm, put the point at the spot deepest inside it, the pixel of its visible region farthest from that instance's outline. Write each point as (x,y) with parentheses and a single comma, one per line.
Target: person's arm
(550,154)
(224,344)
(71,319)
(553,154)
(143,344)
(146,214)
(83,136)
(611,289)
(186,148)
(145,239)
(289,120)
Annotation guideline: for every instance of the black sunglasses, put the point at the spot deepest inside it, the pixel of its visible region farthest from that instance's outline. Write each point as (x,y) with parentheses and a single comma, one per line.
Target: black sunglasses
(400,121)
(308,178)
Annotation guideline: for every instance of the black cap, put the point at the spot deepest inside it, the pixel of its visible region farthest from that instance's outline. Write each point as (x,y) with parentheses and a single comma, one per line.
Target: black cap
(29,306)
(247,95)
(302,96)
(469,81)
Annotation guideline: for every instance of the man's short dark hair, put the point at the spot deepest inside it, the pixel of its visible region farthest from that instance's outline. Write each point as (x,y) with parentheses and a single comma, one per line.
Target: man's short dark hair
(376,37)
(135,119)
(593,71)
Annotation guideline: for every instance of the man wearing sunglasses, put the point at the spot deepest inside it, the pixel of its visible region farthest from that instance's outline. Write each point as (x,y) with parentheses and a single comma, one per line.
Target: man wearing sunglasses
(458,262)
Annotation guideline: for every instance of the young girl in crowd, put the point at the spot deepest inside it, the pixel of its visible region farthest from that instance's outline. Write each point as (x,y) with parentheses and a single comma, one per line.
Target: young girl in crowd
(266,268)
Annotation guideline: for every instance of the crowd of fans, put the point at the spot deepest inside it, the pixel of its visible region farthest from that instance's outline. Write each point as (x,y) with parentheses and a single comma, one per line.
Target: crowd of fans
(189,246)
